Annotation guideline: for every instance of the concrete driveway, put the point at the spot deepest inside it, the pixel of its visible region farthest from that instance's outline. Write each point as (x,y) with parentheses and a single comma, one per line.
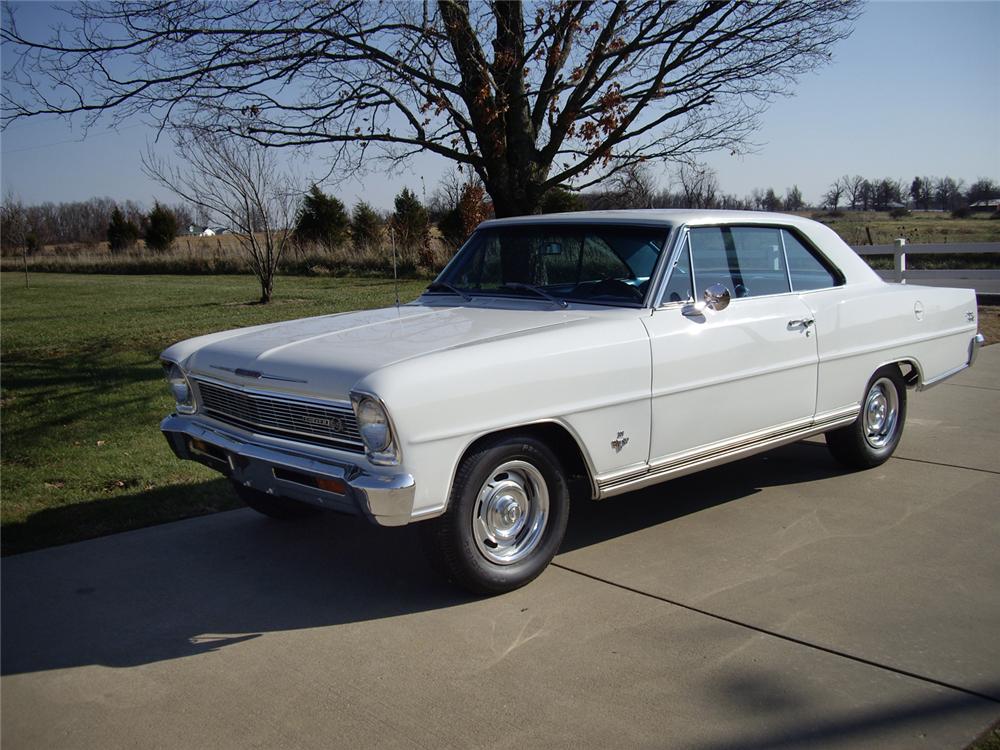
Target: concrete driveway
(775,603)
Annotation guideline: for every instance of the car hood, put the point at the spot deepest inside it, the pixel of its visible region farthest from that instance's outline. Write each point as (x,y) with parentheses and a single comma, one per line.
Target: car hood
(325,356)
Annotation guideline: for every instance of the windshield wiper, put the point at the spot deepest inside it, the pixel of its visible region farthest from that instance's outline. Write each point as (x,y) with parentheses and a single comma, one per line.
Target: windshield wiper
(537,290)
(447,286)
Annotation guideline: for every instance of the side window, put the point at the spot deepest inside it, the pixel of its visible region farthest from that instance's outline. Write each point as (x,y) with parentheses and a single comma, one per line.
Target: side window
(678,288)
(748,261)
(807,271)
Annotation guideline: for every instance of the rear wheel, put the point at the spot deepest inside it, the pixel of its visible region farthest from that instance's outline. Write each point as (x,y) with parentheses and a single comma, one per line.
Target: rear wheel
(506,516)
(273,506)
(872,438)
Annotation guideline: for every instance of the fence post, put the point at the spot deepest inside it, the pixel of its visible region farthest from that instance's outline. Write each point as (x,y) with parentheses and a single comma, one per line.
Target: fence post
(899,259)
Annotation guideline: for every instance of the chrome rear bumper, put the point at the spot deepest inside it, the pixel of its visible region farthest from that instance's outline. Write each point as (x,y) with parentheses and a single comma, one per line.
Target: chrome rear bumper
(977,341)
(384,499)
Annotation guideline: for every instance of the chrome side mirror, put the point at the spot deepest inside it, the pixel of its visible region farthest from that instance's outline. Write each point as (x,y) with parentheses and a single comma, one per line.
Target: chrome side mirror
(715,298)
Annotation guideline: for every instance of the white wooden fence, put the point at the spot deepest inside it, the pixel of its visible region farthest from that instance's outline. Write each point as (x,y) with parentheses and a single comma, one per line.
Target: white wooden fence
(986,282)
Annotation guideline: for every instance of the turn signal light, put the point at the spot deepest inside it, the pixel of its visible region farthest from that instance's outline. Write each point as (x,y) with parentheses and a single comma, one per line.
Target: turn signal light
(331,485)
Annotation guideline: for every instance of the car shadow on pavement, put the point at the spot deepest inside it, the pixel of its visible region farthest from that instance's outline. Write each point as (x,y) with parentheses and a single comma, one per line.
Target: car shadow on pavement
(592,523)
(195,586)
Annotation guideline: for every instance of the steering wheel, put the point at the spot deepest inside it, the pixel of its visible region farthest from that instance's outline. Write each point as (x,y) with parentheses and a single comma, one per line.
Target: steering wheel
(615,287)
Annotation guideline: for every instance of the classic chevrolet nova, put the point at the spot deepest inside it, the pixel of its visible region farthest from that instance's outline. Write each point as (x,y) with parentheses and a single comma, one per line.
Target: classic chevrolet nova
(573,356)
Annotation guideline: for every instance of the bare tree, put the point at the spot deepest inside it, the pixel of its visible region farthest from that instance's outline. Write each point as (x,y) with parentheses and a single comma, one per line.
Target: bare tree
(831,198)
(238,183)
(14,228)
(634,186)
(855,188)
(948,193)
(527,96)
(922,192)
(699,185)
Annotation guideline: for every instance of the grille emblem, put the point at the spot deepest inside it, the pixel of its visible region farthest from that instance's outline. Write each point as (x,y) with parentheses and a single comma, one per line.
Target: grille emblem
(333,423)
(248,373)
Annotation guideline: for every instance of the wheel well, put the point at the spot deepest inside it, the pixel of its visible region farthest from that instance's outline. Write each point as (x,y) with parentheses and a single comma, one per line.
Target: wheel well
(562,443)
(910,371)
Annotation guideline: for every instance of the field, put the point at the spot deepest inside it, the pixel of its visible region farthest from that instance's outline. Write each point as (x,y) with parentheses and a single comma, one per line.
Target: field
(919,227)
(83,393)
(222,254)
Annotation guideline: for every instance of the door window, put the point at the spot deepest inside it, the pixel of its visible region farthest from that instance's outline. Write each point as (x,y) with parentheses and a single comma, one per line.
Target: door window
(748,261)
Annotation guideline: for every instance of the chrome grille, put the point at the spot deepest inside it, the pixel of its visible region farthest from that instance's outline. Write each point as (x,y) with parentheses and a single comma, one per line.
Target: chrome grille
(307,421)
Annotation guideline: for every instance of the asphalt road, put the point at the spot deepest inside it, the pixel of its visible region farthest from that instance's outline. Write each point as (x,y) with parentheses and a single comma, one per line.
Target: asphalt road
(779,602)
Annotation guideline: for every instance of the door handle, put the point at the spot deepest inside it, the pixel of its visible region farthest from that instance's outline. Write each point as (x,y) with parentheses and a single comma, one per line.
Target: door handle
(802,323)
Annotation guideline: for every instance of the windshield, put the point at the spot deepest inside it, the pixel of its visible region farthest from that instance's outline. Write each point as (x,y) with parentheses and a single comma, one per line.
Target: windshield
(605,265)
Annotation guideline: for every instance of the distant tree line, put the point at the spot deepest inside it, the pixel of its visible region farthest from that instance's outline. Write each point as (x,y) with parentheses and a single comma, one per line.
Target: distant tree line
(459,203)
(923,193)
(30,228)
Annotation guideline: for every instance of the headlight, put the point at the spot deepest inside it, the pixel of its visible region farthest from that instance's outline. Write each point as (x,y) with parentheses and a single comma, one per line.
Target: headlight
(180,389)
(376,432)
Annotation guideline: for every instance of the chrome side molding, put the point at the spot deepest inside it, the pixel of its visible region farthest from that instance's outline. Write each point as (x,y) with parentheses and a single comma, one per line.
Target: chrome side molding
(717,455)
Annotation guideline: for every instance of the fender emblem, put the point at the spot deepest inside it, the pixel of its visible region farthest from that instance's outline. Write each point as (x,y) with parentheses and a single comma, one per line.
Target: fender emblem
(619,442)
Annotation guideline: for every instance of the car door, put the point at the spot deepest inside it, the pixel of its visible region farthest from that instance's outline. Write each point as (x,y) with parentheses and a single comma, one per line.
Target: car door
(724,379)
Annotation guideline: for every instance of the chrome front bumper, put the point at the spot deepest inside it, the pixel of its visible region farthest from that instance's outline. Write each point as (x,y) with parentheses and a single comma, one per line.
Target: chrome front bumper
(384,499)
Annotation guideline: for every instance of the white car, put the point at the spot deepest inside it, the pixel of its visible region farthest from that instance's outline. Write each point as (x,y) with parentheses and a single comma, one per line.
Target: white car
(577,356)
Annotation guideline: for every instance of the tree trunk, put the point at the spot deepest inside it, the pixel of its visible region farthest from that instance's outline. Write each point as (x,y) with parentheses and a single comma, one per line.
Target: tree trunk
(266,288)
(519,195)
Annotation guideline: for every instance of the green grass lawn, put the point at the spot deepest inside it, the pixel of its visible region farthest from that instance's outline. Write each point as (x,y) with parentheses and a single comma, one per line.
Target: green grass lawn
(83,393)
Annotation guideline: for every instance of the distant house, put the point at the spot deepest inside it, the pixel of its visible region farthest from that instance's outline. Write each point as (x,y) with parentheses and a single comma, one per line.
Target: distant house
(196,230)
(993,204)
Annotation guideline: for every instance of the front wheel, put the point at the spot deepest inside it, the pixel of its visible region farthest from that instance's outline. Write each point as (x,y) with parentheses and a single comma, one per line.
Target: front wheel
(506,516)
(874,435)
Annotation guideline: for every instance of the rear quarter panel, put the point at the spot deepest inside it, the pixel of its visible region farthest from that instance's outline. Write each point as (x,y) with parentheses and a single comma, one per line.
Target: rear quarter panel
(862,327)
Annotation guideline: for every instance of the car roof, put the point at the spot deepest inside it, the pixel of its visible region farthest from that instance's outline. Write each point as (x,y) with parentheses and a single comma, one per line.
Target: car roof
(829,242)
(661,216)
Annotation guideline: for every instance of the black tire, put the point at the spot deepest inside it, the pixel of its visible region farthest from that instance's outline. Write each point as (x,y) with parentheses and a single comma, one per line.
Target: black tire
(458,544)
(860,445)
(274,506)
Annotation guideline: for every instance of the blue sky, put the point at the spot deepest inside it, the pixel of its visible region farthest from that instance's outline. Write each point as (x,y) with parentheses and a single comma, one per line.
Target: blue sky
(915,90)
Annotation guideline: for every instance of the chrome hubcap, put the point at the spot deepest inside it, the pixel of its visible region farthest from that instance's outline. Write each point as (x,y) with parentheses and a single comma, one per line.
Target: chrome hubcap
(511,511)
(881,413)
